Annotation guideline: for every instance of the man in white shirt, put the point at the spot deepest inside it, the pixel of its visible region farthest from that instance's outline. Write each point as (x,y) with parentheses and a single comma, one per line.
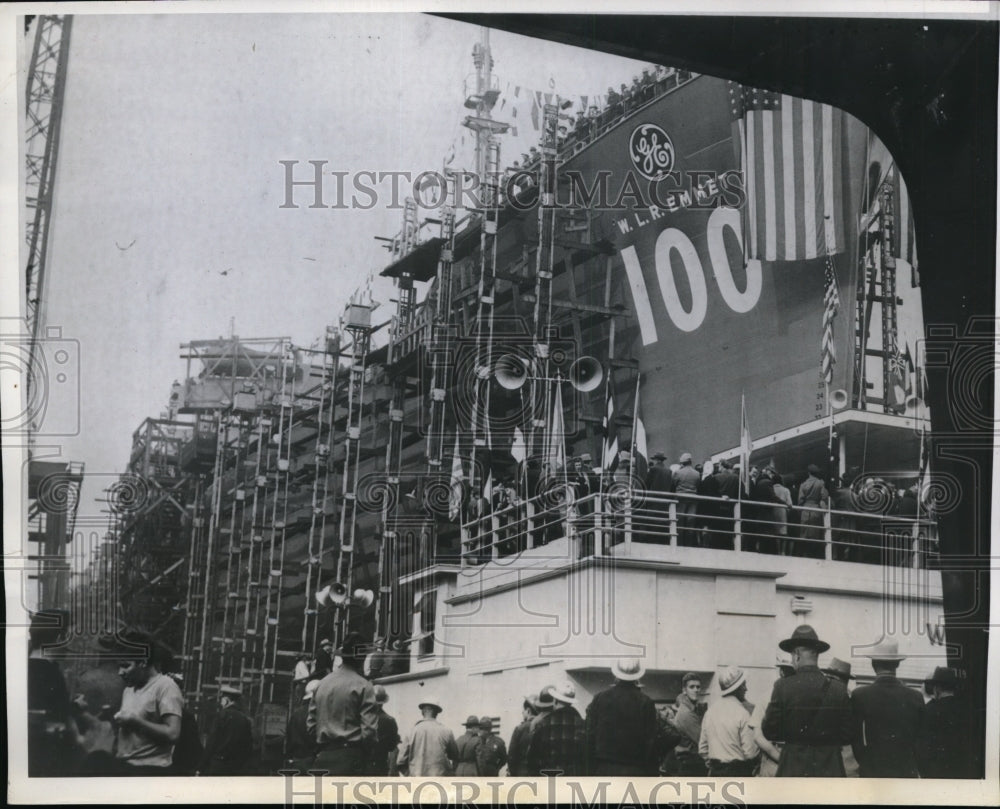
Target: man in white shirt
(149,721)
(727,743)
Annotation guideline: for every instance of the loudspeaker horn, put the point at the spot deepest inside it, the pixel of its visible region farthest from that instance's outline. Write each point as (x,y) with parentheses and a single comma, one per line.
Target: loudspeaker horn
(362,598)
(838,399)
(335,594)
(912,402)
(511,372)
(586,374)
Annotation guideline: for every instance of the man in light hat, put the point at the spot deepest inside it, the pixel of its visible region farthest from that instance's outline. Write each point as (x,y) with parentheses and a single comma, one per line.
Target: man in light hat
(492,753)
(810,713)
(887,719)
(383,760)
(344,714)
(519,739)
(300,744)
(430,750)
(945,747)
(841,671)
(230,743)
(727,742)
(686,480)
(558,738)
(622,725)
(770,752)
(468,748)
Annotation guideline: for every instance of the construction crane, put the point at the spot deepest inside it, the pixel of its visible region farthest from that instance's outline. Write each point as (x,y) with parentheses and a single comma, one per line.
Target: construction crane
(44,95)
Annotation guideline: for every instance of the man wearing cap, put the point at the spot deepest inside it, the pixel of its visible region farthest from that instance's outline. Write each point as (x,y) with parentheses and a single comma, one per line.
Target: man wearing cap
(887,718)
(519,739)
(687,719)
(430,750)
(300,744)
(944,748)
(468,747)
(770,752)
(809,712)
(558,739)
(686,481)
(344,714)
(727,742)
(622,725)
(841,671)
(230,743)
(492,754)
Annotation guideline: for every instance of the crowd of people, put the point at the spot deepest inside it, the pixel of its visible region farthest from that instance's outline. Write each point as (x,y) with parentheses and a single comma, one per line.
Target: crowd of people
(778,513)
(812,724)
(587,123)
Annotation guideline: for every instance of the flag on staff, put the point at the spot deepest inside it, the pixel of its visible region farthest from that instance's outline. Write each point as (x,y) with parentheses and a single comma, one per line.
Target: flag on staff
(746,446)
(904,242)
(555,455)
(457,484)
(640,455)
(791,154)
(609,457)
(831,306)
(518,450)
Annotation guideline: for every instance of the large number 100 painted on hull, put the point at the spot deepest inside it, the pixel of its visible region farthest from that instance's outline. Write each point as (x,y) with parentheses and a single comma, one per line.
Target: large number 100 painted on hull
(674,239)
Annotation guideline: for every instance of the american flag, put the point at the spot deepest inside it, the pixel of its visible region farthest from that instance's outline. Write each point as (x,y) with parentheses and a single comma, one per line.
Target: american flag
(831,305)
(791,152)
(904,242)
(609,457)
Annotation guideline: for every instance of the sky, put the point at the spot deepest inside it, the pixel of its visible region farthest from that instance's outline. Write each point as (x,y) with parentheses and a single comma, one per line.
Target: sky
(167,223)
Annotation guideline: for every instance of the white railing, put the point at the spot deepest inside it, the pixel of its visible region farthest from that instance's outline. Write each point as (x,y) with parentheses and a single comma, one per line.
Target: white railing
(612,523)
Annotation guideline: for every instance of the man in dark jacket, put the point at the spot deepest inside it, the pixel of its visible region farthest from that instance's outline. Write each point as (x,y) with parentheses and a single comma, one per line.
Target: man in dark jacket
(517,751)
(387,739)
(687,719)
(492,754)
(810,713)
(231,741)
(300,744)
(558,739)
(887,718)
(944,748)
(622,726)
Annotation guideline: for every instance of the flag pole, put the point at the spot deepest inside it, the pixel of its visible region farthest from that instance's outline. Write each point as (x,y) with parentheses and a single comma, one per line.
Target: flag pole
(635,428)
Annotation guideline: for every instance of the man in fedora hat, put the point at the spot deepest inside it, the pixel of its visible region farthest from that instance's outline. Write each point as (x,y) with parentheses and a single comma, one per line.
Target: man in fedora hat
(686,480)
(430,749)
(841,671)
(727,742)
(344,714)
(383,760)
(810,713)
(944,749)
(770,752)
(492,753)
(558,739)
(622,725)
(887,718)
(468,747)
(230,743)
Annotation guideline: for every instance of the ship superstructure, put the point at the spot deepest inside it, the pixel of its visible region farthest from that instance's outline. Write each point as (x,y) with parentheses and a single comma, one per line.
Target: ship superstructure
(432,489)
